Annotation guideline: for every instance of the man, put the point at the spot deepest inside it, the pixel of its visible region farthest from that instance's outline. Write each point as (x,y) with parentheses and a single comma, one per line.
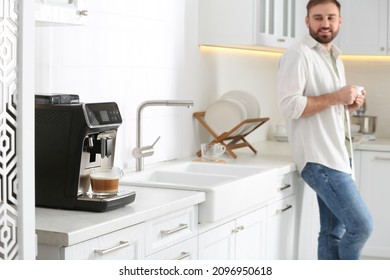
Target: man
(316,103)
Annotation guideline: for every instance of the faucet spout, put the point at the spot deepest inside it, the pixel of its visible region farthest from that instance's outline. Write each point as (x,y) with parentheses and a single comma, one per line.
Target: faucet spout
(138,149)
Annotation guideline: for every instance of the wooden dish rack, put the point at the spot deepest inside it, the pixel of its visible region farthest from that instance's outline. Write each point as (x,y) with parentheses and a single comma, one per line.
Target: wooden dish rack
(230,139)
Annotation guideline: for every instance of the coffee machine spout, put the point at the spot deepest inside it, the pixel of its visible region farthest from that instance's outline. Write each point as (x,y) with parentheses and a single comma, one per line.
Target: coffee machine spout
(106,147)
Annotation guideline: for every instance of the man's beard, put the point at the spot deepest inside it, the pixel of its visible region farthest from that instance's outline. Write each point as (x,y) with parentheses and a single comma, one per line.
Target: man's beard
(323,39)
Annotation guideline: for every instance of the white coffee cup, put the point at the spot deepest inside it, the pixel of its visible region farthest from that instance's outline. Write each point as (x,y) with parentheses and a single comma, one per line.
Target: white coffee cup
(281,129)
(212,151)
(359,90)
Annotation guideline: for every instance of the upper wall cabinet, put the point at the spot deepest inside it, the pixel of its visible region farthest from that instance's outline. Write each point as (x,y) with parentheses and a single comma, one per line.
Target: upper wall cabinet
(60,12)
(365,27)
(251,23)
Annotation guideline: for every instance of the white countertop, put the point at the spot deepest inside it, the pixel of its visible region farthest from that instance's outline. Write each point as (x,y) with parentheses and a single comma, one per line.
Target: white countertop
(378,145)
(270,154)
(65,227)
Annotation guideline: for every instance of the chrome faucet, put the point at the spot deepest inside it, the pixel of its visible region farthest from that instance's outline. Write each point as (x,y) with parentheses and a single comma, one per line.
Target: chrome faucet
(140,152)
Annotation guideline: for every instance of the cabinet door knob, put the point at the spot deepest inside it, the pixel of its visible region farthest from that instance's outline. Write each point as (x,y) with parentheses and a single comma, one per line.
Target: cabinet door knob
(83,13)
(237,229)
(122,244)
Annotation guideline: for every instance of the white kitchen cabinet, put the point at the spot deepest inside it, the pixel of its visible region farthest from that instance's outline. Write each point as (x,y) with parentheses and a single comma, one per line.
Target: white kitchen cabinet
(269,232)
(185,250)
(279,22)
(171,236)
(60,12)
(159,224)
(251,23)
(250,235)
(241,238)
(171,229)
(365,27)
(281,230)
(124,244)
(375,190)
(217,243)
(308,222)
(356,166)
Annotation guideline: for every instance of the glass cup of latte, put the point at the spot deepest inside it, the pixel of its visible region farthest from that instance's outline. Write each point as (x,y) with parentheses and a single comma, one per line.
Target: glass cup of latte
(105,181)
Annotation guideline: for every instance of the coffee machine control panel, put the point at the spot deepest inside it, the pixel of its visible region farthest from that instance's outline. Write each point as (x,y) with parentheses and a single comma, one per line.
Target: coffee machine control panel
(102,114)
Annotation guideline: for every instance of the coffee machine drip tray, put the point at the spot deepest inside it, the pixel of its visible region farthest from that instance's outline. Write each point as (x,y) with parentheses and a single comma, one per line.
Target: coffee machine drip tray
(94,203)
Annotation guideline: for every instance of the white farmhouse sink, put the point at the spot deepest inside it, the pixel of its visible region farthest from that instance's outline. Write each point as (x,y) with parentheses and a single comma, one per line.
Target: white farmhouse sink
(179,179)
(217,168)
(229,188)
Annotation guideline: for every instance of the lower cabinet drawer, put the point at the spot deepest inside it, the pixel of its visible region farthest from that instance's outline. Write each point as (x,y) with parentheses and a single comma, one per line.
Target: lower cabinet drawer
(171,229)
(186,250)
(286,185)
(124,244)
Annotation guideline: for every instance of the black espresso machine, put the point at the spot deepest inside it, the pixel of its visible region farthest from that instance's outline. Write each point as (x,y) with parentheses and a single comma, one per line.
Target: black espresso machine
(71,139)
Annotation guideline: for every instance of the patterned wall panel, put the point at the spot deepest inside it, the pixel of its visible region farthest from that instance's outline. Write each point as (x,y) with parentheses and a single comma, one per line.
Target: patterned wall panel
(8,115)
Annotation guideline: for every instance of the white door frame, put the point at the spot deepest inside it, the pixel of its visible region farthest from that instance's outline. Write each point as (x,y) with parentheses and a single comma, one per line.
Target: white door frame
(25,130)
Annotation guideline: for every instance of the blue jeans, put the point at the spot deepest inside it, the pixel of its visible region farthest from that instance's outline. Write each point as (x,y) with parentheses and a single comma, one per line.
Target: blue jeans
(345,221)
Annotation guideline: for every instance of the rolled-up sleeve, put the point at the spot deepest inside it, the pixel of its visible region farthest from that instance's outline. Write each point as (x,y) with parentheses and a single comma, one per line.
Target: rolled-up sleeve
(291,85)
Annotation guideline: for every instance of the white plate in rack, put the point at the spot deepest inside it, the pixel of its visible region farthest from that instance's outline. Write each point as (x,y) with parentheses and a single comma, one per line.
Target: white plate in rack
(224,114)
(248,100)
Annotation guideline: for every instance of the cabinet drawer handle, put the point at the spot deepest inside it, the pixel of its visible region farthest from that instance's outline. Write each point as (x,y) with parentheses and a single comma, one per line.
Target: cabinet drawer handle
(280,211)
(382,158)
(171,231)
(287,186)
(182,256)
(122,244)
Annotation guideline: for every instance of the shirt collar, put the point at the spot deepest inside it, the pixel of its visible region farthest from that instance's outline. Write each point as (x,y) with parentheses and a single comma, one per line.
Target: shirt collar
(313,44)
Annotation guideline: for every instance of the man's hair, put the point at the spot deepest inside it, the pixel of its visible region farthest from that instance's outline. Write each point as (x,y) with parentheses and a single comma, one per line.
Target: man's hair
(313,3)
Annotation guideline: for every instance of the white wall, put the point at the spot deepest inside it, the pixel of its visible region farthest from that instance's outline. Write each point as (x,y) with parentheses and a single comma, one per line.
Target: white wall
(132,51)
(250,71)
(374,74)
(255,72)
(128,52)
